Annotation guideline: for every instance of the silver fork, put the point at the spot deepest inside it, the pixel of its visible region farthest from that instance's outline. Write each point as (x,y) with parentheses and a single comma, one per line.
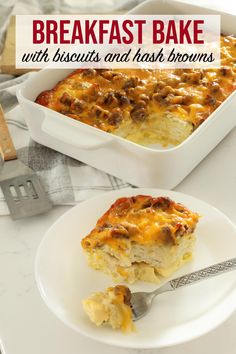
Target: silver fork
(141,302)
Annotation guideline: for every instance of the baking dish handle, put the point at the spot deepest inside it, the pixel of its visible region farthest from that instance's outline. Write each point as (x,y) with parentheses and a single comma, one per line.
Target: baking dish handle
(69,132)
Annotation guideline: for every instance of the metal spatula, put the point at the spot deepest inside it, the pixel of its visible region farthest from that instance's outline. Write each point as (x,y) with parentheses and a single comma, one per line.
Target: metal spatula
(21,186)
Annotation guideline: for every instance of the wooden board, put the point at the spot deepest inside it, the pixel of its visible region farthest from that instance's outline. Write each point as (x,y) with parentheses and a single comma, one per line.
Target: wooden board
(7,60)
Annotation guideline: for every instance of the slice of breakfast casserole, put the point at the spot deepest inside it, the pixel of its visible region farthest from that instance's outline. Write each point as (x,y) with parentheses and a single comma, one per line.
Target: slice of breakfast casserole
(142,238)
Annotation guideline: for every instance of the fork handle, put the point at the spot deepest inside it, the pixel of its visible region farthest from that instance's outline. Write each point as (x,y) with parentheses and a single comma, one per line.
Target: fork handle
(6,143)
(204,273)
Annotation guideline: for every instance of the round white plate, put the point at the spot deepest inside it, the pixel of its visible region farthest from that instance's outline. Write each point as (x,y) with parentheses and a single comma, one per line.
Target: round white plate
(64,278)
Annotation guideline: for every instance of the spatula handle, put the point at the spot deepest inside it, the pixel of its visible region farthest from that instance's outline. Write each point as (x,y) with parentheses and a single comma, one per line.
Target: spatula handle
(6,143)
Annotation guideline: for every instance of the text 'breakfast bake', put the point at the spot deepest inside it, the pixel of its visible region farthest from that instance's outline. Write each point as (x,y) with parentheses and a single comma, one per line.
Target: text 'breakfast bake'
(146,106)
(141,238)
(111,307)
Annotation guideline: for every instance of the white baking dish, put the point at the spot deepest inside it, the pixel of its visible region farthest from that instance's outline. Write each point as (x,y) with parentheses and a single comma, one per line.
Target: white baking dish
(141,166)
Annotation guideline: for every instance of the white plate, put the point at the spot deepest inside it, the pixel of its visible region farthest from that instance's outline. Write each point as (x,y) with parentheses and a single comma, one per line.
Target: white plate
(64,278)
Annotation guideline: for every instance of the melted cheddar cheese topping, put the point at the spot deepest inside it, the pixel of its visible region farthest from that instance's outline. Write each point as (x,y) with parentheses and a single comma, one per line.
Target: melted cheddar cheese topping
(142,220)
(128,102)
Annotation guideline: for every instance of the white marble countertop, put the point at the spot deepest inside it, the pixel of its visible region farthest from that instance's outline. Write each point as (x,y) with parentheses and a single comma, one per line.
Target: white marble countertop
(26,324)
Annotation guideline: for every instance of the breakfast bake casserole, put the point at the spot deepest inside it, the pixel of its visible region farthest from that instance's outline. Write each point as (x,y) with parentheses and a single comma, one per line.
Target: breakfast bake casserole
(111,307)
(141,238)
(145,106)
